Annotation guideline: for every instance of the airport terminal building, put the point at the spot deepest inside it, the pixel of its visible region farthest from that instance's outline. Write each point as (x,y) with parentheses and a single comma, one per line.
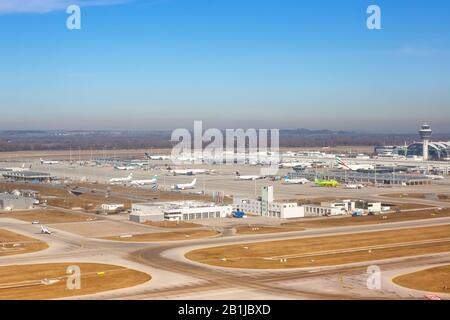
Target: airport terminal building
(436,150)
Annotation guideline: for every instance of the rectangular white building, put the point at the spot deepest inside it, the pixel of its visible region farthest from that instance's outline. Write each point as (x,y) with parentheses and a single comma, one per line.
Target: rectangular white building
(267,207)
(173,211)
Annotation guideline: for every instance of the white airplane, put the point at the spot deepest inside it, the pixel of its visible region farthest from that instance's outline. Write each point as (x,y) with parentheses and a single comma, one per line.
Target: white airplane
(294,164)
(184,186)
(121,180)
(239,177)
(354,186)
(157,157)
(188,172)
(154,180)
(48,161)
(126,168)
(434,177)
(45,230)
(295,181)
(353,167)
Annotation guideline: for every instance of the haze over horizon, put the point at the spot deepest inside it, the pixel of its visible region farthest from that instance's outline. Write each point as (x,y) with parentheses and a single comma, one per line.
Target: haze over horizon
(160,65)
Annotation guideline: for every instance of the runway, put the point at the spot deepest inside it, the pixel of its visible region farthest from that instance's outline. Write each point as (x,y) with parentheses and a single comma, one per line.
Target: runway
(176,277)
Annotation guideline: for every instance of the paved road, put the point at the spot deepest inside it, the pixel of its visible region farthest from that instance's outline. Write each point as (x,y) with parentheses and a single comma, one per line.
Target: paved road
(176,277)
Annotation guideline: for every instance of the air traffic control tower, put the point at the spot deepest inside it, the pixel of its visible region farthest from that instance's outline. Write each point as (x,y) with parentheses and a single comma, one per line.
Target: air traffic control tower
(425,134)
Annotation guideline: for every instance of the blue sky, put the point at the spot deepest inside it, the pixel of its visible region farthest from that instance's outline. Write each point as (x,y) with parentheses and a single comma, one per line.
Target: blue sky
(161,64)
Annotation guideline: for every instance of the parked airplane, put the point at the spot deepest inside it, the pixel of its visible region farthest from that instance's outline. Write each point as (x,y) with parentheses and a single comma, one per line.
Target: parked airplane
(353,167)
(187,172)
(126,168)
(354,186)
(434,177)
(184,186)
(48,161)
(239,177)
(154,180)
(326,183)
(121,180)
(45,230)
(157,157)
(295,164)
(295,181)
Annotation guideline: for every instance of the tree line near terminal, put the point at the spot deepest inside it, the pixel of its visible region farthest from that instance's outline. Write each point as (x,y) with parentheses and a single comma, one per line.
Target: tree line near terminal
(97,140)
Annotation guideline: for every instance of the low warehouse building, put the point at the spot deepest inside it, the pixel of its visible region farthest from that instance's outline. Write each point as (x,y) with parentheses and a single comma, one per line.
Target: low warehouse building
(13,202)
(27,176)
(341,208)
(173,211)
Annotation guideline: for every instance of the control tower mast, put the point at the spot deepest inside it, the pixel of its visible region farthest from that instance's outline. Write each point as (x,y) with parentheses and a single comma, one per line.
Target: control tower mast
(425,134)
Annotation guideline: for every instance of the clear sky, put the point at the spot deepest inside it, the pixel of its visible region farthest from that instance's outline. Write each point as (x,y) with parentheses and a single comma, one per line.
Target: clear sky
(161,64)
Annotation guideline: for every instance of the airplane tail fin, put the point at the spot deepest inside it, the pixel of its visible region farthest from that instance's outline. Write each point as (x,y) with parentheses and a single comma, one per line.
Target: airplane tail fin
(194,181)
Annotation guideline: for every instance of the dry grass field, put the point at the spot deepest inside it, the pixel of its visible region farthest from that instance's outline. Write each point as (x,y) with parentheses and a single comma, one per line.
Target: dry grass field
(60,196)
(327,251)
(49,281)
(12,243)
(166,236)
(45,216)
(432,280)
(364,220)
(405,195)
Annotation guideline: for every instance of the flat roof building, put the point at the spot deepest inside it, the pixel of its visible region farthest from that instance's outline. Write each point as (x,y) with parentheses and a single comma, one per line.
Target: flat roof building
(368,176)
(29,176)
(267,207)
(11,202)
(173,211)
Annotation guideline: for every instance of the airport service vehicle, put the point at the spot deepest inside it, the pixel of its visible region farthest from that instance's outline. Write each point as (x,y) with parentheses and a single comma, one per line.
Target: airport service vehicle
(185,186)
(326,183)
(35,222)
(354,186)
(48,161)
(238,214)
(252,178)
(287,180)
(157,157)
(153,180)
(45,230)
(121,180)
(353,167)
